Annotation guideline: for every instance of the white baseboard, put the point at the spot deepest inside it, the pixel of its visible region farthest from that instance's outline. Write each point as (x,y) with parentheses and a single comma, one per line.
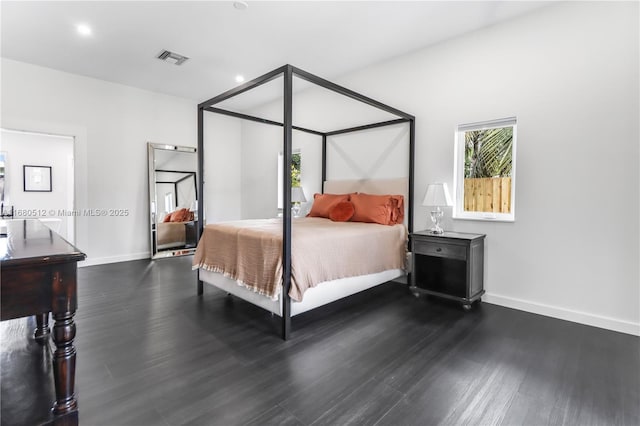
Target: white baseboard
(600,321)
(400,280)
(92,261)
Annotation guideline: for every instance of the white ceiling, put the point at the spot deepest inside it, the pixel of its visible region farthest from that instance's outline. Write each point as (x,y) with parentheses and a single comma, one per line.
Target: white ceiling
(326,38)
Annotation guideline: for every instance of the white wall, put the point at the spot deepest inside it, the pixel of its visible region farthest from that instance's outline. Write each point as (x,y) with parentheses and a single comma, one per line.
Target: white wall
(380,153)
(222,168)
(261,145)
(112,124)
(569,72)
(38,149)
(373,154)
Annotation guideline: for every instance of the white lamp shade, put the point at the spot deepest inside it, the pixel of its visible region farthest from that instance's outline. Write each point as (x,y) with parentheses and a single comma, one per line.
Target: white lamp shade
(297,195)
(437,195)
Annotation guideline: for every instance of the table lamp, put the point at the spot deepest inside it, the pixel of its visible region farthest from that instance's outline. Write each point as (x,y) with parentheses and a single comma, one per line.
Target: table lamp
(297,197)
(437,196)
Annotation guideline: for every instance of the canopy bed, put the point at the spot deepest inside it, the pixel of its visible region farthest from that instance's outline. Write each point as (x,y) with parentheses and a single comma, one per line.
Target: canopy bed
(289,274)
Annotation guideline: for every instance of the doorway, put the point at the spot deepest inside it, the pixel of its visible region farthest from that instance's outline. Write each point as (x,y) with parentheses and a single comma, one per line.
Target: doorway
(39,178)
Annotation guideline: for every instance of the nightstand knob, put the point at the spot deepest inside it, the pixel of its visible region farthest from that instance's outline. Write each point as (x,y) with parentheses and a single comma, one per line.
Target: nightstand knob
(439,249)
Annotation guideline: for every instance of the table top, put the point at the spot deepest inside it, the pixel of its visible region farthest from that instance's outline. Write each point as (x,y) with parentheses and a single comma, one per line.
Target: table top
(29,242)
(449,234)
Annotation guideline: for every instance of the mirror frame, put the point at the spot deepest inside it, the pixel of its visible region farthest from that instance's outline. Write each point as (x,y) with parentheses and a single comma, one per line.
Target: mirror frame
(153,202)
(459,169)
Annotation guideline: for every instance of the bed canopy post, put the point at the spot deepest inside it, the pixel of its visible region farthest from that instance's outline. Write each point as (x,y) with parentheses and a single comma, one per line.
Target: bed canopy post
(286,211)
(324,161)
(200,190)
(412,148)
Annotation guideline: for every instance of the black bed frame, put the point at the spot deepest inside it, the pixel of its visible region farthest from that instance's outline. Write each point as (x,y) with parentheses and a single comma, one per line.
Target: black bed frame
(176,182)
(288,72)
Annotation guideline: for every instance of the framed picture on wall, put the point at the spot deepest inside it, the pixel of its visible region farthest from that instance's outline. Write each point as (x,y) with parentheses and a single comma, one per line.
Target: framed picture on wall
(37,178)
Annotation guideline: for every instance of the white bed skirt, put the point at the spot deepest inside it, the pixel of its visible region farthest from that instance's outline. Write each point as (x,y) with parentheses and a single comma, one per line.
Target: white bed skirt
(314,297)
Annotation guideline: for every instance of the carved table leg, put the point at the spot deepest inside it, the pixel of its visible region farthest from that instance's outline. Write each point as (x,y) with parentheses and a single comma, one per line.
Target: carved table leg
(42,328)
(64,363)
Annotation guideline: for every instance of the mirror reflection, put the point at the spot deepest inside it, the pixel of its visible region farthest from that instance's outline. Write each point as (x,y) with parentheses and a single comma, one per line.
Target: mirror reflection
(172,200)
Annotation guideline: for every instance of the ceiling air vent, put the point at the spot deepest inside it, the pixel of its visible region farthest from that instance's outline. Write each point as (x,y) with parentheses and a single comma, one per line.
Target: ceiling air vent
(171,57)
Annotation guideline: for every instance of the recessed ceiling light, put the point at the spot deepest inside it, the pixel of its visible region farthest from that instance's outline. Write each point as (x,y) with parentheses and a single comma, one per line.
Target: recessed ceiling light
(239,79)
(240,5)
(83,29)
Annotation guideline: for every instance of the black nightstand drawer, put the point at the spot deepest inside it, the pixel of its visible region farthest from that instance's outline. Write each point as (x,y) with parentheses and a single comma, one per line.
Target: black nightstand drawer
(440,250)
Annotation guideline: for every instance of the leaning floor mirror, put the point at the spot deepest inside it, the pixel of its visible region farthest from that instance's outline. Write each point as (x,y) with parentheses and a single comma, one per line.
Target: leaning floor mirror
(173,214)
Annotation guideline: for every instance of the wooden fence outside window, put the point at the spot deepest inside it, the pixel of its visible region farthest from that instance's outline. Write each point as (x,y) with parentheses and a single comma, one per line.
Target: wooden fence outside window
(487,195)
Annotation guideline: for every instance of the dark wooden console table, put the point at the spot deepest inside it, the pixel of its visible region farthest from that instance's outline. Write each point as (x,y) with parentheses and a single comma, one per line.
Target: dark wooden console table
(39,276)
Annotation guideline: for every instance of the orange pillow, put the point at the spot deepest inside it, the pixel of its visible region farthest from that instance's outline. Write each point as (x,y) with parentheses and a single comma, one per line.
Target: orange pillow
(324,203)
(167,218)
(186,215)
(342,212)
(397,214)
(180,215)
(373,208)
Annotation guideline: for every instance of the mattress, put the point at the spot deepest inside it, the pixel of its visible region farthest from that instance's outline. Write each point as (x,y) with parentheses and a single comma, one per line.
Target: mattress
(320,295)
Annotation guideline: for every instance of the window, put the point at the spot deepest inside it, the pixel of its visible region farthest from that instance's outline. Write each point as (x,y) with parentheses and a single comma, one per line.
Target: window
(485,166)
(295,172)
(168,202)
(3,161)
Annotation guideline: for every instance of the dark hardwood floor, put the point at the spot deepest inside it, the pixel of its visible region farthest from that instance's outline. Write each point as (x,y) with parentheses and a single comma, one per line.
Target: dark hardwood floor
(151,352)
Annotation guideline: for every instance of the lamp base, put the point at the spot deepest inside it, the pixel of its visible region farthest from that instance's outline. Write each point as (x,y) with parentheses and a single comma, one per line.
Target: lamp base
(436,215)
(436,231)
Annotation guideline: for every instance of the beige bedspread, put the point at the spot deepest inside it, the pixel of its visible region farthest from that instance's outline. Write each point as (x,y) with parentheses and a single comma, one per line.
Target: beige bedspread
(250,252)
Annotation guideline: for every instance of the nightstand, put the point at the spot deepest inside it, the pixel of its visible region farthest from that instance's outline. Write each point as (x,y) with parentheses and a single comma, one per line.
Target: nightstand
(449,265)
(191,239)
